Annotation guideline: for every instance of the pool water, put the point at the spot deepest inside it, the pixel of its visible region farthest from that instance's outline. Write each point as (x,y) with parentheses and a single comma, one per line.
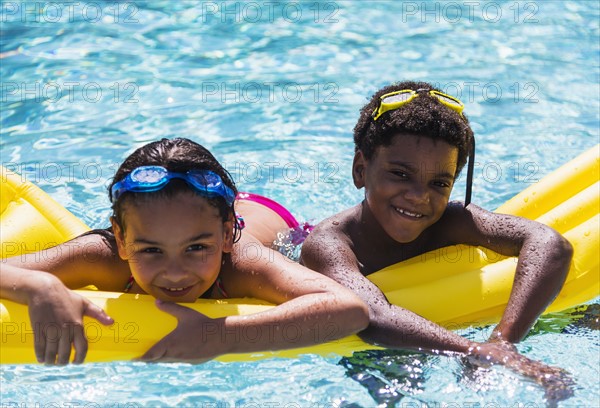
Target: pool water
(274,90)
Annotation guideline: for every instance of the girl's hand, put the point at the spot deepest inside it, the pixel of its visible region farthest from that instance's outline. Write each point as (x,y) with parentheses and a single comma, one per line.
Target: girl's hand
(196,338)
(56,315)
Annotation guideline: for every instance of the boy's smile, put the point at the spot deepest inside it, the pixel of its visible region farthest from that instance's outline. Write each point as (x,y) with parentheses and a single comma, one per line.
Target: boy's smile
(407,184)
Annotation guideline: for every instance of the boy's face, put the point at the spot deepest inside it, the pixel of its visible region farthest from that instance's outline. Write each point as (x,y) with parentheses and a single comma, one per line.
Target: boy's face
(407,184)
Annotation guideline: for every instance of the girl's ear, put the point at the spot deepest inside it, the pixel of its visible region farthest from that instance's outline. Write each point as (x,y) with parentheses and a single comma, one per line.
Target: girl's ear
(120,238)
(228,235)
(358,170)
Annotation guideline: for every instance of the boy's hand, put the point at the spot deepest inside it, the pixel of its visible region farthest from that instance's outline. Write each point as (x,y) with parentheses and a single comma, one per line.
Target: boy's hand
(557,383)
(56,315)
(497,352)
(194,340)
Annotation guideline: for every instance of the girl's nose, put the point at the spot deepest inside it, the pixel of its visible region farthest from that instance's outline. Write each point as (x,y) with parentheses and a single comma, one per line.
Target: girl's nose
(175,271)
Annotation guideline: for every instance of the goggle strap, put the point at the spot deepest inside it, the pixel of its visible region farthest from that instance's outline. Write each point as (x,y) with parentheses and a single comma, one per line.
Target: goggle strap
(470,170)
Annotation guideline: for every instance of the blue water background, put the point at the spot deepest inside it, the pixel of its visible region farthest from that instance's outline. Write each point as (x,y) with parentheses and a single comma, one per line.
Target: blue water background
(273,89)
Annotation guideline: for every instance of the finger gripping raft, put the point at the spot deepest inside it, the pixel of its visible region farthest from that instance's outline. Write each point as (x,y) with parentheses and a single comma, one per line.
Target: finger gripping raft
(456,286)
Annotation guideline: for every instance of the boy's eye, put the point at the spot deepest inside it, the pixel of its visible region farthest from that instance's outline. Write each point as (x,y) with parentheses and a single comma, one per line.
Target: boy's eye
(399,173)
(443,184)
(196,247)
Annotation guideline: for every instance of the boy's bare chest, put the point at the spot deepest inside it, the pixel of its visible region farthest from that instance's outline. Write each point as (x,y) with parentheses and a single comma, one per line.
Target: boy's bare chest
(373,258)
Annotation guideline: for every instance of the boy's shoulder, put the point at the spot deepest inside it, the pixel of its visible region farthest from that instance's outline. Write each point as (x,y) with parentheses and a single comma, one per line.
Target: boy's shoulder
(329,245)
(336,225)
(332,233)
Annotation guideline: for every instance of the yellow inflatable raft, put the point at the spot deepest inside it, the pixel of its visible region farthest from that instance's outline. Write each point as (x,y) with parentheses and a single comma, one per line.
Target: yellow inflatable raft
(456,286)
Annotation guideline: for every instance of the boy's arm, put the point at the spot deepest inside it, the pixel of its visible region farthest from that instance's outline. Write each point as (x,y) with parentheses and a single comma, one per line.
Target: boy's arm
(390,326)
(542,267)
(394,327)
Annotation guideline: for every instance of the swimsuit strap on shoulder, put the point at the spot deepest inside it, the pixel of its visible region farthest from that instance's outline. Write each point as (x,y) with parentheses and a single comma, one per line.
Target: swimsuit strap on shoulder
(220,288)
(130,283)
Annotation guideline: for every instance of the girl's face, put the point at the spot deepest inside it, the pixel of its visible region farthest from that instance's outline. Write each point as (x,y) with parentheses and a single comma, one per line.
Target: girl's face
(174,245)
(407,184)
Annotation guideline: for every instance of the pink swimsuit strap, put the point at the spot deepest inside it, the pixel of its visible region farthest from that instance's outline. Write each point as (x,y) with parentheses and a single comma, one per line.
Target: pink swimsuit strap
(273,205)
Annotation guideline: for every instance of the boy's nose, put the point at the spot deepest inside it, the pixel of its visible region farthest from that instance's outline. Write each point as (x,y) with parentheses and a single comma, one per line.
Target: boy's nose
(417,194)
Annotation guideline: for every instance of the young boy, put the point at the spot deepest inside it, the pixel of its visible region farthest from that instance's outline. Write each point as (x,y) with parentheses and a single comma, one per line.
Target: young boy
(411,142)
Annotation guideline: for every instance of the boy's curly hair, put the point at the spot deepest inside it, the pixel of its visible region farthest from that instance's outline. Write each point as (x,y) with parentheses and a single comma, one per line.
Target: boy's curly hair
(423,116)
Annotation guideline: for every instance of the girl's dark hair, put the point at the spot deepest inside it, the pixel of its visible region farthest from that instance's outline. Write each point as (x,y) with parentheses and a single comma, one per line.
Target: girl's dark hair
(177,155)
(423,116)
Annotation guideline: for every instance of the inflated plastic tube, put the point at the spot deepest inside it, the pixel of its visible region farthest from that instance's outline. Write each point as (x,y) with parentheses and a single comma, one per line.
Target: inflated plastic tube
(457,286)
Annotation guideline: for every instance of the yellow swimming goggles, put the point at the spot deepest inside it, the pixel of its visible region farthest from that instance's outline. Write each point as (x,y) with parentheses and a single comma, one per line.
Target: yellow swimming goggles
(394,100)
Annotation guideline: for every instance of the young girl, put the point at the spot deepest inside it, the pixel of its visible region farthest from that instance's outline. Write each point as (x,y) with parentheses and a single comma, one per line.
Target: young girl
(176,236)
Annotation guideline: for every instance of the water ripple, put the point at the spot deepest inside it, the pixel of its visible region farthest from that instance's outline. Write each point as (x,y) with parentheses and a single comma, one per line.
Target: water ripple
(276,101)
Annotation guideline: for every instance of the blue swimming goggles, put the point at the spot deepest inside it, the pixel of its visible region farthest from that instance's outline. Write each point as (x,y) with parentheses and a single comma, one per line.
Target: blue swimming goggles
(146,179)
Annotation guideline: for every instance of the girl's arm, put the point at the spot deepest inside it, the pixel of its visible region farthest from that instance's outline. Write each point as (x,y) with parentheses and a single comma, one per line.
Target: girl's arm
(56,313)
(86,260)
(40,281)
(544,258)
(311,309)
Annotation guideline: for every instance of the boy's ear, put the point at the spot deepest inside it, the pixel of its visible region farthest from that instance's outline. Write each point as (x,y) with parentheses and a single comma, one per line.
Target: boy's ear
(120,238)
(358,170)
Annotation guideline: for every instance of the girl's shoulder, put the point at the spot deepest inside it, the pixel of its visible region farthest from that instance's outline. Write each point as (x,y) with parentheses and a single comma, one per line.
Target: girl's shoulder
(97,245)
(248,253)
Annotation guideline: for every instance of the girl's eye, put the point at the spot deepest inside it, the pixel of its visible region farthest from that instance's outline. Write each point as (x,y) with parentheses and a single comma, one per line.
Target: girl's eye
(196,247)
(150,250)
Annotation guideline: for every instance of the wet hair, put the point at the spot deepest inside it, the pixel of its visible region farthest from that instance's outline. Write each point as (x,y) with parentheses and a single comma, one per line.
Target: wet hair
(423,116)
(176,155)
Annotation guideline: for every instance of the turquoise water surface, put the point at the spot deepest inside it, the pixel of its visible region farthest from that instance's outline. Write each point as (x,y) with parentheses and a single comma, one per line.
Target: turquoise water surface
(274,89)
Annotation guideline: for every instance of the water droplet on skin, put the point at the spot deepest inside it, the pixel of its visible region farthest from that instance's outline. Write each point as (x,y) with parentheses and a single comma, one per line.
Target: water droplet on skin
(335,223)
